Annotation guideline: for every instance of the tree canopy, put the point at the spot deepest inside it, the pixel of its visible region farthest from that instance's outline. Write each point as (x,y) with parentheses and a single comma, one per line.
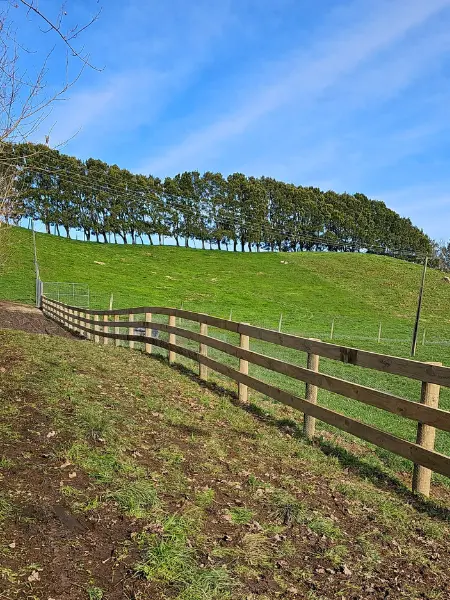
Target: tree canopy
(237,212)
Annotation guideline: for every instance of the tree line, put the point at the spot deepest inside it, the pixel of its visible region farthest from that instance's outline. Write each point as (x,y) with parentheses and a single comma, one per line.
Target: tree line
(110,204)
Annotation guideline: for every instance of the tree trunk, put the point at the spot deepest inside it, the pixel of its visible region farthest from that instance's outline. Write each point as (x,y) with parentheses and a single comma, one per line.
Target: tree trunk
(234,246)
(105,239)
(47,227)
(67,228)
(177,241)
(218,244)
(186,242)
(203,244)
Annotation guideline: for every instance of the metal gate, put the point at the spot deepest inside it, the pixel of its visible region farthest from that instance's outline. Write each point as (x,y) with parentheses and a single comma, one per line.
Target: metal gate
(75,294)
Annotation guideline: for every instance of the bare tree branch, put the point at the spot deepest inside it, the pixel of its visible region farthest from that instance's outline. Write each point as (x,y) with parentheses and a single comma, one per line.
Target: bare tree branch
(56,27)
(24,105)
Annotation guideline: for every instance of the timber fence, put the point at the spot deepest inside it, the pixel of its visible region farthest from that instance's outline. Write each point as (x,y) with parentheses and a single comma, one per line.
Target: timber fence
(141,325)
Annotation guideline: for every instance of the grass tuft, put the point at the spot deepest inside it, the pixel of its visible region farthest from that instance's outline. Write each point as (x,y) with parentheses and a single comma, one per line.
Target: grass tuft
(94,593)
(6,508)
(135,498)
(286,508)
(103,465)
(169,558)
(241,515)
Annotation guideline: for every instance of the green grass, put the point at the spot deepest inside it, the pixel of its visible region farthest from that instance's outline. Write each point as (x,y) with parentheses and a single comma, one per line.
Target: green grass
(241,515)
(136,498)
(6,508)
(170,559)
(187,495)
(357,291)
(94,593)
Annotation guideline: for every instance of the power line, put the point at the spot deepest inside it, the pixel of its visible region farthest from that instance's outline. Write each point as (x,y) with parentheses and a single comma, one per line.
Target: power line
(230,219)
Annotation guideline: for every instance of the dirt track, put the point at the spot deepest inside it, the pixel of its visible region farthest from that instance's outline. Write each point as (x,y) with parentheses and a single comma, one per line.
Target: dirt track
(28,318)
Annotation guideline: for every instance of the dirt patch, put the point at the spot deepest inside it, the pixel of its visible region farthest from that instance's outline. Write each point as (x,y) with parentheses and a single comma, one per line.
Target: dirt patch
(28,318)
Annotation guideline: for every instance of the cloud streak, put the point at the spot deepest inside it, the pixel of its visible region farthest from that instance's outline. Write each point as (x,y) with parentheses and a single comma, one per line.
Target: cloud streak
(306,75)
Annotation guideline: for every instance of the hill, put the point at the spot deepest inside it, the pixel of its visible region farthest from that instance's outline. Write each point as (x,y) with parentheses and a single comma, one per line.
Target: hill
(133,481)
(310,289)
(357,291)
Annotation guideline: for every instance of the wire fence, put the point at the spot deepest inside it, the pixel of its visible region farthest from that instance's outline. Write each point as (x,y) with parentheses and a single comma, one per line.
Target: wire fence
(333,328)
(76,294)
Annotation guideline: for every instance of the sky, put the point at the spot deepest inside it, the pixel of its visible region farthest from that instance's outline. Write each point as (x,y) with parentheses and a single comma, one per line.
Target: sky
(349,95)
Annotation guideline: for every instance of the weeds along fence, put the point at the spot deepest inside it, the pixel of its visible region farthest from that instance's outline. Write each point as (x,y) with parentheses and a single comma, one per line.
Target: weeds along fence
(144,325)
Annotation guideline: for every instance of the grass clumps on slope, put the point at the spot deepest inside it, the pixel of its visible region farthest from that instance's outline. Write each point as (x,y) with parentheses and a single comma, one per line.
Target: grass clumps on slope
(136,498)
(170,490)
(168,557)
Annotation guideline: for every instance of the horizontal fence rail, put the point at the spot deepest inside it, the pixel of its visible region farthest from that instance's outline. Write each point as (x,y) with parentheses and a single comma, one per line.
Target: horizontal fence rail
(97,324)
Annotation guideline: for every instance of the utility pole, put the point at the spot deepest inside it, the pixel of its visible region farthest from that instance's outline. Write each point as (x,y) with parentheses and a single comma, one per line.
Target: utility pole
(419,308)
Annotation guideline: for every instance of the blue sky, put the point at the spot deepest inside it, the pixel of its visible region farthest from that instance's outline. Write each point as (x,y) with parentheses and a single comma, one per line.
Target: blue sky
(344,95)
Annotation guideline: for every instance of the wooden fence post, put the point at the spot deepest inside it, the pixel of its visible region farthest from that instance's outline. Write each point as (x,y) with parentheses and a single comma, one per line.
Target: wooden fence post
(309,423)
(88,334)
(117,329)
(105,329)
(426,435)
(172,339)
(244,343)
(148,332)
(131,332)
(203,369)
(96,328)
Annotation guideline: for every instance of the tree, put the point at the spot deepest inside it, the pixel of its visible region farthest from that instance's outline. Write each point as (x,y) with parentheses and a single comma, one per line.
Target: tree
(24,97)
(103,200)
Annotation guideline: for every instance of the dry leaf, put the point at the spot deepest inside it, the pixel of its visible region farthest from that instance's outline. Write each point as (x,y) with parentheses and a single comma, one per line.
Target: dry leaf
(72,475)
(65,464)
(12,545)
(51,434)
(346,570)
(34,576)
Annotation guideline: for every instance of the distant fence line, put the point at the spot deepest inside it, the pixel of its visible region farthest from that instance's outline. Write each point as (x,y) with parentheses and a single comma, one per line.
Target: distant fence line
(104,325)
(79,295)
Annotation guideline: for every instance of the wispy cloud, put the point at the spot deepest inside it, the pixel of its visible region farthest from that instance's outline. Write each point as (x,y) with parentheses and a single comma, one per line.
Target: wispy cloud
(151,52)
(306,75)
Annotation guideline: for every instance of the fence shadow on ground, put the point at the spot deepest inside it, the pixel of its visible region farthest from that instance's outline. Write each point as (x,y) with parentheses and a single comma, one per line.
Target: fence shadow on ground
(377,476)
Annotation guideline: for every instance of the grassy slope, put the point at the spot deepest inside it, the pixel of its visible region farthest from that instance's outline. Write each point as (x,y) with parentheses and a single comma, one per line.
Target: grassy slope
(135,482)
(358,290)
(312,289)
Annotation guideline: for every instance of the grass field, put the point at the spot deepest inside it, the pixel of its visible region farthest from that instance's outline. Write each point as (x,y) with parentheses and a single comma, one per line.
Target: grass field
(357,291)
(121,477)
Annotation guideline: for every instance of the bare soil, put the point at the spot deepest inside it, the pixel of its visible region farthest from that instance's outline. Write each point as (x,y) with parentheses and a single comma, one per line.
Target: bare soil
(24,317)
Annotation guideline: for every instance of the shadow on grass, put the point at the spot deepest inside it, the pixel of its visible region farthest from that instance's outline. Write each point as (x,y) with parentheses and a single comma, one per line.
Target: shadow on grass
(375,474)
